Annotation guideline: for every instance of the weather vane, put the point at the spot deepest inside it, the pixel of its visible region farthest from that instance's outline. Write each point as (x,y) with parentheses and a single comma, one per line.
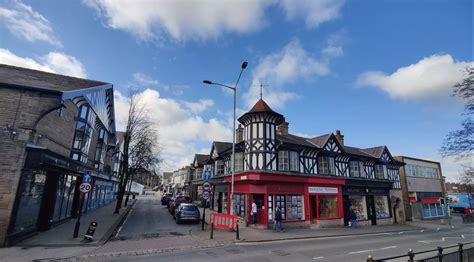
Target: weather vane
(261,89)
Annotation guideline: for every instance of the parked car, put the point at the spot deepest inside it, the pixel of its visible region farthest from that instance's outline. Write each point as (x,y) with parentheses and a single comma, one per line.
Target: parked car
(187,212)
(177,202)
(165,199)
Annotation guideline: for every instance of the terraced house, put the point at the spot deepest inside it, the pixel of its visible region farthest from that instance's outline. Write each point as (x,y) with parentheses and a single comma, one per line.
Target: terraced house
(315,181)
(54,129)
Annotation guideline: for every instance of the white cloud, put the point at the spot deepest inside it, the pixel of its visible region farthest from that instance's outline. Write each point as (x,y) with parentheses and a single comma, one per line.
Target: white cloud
(314,12)
(141,81)
(181,19)
(289,65)
(54,62)
(179,127)
(200,20)
(26,23)
(199,107)
(429,77)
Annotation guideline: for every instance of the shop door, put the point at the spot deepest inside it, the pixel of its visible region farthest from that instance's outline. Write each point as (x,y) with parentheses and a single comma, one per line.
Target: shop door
(371,210)
(219,202)
(347,209)
(260,201)
(312,200)
(48,202)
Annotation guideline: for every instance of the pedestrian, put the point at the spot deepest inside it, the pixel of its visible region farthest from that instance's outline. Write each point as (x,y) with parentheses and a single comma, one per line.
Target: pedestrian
(277,224)
(353,218)
(254,213)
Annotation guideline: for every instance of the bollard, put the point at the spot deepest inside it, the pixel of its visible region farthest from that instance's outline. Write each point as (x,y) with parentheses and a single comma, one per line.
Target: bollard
(460,252)
(411,255)
(440,254)
(212,230)
(237,232)
(369,258)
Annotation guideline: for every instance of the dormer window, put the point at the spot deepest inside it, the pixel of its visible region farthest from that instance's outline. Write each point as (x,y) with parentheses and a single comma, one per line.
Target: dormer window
(219,167)
(381,171)
(356,169)
(288,161)
(326,165)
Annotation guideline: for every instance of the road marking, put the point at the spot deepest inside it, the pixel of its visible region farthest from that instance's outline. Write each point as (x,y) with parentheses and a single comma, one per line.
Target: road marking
(371,250)
(462,236)
(431,241)
(438,229)
(400,233)
(317,258)
(422,231)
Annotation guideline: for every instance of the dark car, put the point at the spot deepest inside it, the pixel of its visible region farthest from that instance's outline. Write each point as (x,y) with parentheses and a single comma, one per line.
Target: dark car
(187,212)
(178,200)
(165,199)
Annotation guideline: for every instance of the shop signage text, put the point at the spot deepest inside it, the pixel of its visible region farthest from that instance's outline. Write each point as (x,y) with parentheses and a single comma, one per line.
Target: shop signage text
(322,190)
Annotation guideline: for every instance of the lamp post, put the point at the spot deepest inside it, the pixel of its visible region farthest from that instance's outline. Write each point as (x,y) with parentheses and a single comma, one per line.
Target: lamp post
(234,88)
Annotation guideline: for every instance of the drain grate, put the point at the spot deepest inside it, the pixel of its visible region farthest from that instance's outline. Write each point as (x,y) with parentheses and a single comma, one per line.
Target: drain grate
(152,235)
(176,234)
(233,251)
(281,253)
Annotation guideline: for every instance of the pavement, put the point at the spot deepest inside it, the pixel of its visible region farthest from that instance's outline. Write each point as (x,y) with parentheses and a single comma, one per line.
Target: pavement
(149,230)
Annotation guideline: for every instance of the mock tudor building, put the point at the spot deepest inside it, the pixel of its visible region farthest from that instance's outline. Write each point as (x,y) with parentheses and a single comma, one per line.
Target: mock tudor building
(314,181)
(54,129)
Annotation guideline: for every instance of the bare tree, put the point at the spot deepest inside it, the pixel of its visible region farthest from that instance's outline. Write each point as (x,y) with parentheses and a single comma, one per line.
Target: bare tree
(461,142)
(466,180)
(140,146)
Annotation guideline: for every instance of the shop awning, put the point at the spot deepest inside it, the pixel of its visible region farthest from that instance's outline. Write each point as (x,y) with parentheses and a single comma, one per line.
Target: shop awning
(429,200)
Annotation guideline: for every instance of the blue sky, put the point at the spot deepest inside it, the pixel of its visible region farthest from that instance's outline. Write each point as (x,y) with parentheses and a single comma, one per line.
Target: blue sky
(380,71)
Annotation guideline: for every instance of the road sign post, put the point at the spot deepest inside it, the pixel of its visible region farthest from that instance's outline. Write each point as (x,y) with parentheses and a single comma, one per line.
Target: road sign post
(84,187)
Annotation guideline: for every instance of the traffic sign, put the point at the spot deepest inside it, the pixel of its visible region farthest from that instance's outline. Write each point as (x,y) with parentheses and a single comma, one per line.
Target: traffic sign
(86,178)
(206,186)
(207,175)
(85,187)
(205,195)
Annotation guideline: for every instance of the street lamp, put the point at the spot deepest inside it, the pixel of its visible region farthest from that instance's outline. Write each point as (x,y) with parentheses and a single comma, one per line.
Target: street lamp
(234,88)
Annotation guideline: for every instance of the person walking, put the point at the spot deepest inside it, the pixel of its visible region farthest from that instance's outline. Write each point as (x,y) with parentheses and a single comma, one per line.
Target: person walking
(277,224)
(254,213)
(353,218)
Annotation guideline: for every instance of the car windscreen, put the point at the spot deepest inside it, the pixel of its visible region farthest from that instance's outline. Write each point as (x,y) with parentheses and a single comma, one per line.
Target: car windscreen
(189,208)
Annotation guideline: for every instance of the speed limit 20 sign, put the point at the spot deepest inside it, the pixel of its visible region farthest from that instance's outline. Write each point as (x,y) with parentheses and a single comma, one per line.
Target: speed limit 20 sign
(85,187)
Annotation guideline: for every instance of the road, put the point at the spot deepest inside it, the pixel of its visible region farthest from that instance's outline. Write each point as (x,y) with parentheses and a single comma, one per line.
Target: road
(149,219)
(355,248)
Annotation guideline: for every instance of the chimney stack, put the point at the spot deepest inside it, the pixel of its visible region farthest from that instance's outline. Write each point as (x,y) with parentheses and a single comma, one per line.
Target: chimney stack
(283,128)
(340,137)
(239,134)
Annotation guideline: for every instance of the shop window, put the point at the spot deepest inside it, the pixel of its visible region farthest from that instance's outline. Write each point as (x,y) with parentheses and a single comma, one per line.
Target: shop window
(270,207)
(328,207)
(326,165)
(239,203)
(381,172)
(359,204)
(381,207)
(280,203)
(32,187)
(295,207)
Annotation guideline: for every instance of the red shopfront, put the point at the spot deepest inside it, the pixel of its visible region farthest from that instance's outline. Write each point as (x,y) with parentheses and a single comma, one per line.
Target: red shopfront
(302,199)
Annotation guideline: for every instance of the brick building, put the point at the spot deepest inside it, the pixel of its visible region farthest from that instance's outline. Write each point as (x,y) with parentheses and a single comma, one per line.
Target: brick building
(54,129)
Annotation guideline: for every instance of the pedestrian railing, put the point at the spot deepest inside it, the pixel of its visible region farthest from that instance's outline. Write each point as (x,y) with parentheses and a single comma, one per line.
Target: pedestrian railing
(460,254)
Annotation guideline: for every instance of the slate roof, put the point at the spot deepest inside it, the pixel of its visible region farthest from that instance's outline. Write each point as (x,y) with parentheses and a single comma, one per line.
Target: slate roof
(356,151)
(320,141)
(222,146)
(23,77)
(202,159)
(295,140)
(374,151)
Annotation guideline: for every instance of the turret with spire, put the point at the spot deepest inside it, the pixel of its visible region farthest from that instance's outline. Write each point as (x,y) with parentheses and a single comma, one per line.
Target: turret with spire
(260,125)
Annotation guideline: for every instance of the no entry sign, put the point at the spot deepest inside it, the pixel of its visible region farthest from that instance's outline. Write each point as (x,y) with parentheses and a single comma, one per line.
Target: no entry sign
(85,187)
(206,186)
